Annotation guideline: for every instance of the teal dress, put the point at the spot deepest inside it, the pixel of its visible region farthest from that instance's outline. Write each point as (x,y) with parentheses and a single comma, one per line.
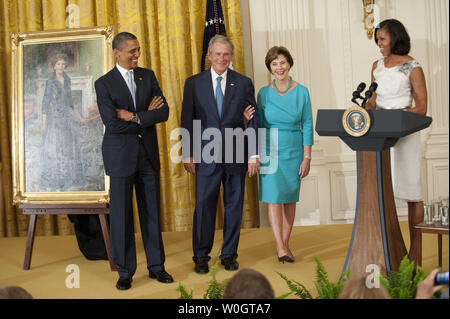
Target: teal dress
(289,126)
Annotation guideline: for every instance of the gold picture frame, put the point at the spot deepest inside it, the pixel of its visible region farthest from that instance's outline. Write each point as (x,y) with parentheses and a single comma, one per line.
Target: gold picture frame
(56,127)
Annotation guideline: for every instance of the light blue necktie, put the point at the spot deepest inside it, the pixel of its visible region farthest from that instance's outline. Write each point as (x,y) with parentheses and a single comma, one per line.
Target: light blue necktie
(132,86)
(219,96)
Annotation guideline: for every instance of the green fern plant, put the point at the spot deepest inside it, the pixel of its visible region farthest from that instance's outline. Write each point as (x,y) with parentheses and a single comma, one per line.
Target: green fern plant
(184,294)
(325,289)
(296,288)
(402,284)
(285,295)
(215,289)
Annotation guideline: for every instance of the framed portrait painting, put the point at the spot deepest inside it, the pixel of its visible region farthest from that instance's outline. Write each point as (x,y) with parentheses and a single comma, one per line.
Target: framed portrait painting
(56,126)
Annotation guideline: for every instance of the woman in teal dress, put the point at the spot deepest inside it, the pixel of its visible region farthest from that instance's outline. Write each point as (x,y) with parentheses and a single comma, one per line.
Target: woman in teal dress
(285,112)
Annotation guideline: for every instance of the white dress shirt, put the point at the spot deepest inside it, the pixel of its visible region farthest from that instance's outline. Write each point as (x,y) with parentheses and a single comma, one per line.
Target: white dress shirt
(223,85)
(124,72)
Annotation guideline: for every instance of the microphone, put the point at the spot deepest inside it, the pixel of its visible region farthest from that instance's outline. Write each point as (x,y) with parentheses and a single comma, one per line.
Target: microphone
(357,94)
(372,88)
(361,87)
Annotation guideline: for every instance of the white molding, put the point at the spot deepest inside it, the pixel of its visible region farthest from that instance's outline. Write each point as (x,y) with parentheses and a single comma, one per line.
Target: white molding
(437,146)
(343,158)
(437,31)
(347,76)
(343,183)
(438,178)
(307,209)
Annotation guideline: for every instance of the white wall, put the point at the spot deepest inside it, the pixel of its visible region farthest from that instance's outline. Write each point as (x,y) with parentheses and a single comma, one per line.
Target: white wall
(332,55)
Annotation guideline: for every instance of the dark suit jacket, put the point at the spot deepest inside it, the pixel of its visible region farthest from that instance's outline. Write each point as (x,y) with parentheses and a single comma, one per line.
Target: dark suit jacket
(121,141)
(199,104)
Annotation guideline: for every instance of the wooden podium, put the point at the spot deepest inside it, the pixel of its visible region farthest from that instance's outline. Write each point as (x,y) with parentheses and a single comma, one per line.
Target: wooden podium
(376,237)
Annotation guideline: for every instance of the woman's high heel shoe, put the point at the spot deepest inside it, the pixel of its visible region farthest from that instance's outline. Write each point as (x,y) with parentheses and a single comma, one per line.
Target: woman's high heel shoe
(286,258)
(282,259)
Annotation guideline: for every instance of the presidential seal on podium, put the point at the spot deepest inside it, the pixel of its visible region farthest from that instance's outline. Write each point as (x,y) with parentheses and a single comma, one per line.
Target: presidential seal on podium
(356,121)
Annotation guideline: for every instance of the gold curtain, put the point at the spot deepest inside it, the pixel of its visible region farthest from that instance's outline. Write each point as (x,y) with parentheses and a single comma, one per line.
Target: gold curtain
(171,36)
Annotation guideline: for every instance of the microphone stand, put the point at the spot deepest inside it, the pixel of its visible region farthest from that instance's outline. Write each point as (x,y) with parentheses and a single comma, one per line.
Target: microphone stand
(368,95)
(363,104)
(354,101)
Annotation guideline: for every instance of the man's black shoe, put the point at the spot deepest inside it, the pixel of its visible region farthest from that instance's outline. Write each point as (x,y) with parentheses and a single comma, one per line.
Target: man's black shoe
(161,276)
(124,283)
(201,266)
(230,263)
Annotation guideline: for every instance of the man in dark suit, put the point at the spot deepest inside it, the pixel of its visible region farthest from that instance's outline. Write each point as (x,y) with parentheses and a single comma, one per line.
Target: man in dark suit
(217,99)
(130,104)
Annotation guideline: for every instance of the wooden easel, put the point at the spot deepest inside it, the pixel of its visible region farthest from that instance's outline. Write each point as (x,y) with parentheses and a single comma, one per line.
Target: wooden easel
(64,209)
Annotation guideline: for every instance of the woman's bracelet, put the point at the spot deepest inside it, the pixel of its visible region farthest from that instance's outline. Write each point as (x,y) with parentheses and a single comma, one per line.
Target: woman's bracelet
(307,156)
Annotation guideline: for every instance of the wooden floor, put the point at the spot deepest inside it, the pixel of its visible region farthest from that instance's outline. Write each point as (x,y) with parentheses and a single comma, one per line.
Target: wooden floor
(52,254)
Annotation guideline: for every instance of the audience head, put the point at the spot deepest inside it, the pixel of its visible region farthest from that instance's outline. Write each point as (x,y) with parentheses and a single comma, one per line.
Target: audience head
(356,288)
(14,292)
(248,284)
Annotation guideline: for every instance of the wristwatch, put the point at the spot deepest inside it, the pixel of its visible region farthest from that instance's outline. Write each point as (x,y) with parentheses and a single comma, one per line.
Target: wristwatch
(134,118)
